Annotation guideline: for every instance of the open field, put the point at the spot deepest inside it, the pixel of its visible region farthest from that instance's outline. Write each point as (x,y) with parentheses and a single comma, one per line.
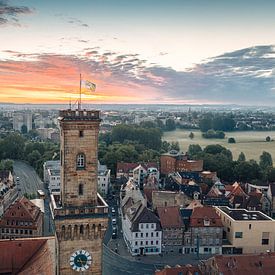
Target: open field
(252,143)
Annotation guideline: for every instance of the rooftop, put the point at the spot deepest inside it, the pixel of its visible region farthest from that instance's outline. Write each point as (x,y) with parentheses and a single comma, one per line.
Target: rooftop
(78,115)
(244,215)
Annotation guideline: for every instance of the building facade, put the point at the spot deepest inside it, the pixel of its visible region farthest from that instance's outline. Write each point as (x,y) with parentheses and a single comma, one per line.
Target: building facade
(172,229)
(22,219)
(141,229)
(205,232)
(81,215)
(104,179)
(246,231)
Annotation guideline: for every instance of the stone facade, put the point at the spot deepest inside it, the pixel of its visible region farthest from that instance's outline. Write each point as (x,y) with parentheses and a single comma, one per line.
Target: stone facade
(81,218)
(169,198)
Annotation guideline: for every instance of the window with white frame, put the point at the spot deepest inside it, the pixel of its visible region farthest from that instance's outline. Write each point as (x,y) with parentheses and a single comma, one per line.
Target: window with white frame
(80,161)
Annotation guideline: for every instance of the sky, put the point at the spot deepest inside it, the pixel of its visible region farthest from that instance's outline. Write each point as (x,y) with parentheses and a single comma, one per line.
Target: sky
(146,51)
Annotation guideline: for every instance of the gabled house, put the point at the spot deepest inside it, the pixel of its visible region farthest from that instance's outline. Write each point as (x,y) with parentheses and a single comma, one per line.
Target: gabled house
(22,219)
(172,229)
(141,229)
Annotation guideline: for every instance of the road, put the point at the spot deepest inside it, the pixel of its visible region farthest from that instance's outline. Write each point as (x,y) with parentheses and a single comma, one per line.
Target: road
(116,265)
(29,182)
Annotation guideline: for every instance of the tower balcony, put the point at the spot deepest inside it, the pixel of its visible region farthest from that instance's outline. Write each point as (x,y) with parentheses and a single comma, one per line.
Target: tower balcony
(79,115)
(86,211)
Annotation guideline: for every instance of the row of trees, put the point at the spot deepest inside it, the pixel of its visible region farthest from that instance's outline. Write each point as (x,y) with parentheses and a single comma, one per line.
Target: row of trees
(132,143)
(15,146)
(218,158)
(217,122)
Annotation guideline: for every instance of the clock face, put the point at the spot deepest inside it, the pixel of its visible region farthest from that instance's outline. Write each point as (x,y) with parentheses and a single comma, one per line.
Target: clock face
(80,260)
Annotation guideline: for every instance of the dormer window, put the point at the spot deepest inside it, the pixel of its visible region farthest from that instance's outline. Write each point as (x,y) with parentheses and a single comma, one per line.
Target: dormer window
(80,161)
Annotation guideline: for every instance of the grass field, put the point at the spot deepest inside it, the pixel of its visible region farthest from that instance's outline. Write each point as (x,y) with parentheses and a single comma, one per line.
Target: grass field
(252,143)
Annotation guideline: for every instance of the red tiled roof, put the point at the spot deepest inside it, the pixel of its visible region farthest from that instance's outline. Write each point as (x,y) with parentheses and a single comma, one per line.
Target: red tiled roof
(22,208)
(14,254)
(170,216)
(255,264)
(184,270)
(200,214)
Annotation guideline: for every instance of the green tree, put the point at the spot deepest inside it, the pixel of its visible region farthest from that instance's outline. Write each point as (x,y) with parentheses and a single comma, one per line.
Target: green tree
(24,129)
(12,146)
(175,146)
(265,160)
(271,175)
(231,140)
(170,124)
(191,135)
(241,157)
(33,157)
(194,149)
(205,124)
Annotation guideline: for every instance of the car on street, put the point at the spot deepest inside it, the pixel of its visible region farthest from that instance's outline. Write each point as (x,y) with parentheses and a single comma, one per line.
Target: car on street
(114,232)
(113,221)
(113,211)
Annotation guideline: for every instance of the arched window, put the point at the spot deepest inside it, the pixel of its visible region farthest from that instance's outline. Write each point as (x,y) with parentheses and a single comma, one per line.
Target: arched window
(80,161)
(80,189)
(81,229)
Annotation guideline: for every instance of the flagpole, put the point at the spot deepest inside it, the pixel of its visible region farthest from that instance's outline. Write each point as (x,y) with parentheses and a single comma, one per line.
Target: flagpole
(79,103)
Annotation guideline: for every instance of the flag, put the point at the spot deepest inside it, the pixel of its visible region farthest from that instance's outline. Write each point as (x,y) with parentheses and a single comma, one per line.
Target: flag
(89,85)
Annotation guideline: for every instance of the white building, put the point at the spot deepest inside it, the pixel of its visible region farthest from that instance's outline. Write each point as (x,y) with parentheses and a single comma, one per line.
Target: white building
(141,172)
(104,176)
(52,176)
(141,229)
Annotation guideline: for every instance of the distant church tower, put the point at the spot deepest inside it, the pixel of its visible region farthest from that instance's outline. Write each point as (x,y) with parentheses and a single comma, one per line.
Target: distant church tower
(81,215)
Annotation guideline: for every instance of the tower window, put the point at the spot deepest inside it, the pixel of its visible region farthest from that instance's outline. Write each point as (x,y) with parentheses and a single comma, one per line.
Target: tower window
(80,161)
(80,189)
(81,134)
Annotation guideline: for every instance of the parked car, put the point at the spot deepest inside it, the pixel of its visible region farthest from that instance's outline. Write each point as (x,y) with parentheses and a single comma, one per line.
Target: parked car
(113,211)
(114,232)
(113,221)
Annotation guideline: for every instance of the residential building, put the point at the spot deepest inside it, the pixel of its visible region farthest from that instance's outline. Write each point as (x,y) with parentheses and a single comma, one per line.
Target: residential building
(169,198)
(8,191)
(141,229)
(256,264)
(178,162)
(172,229)
(246,231)
(28,256)
(126,169)
(20,119)
(104,178)
(270,200)
(22,219)
(204,234)
(51,171)
(150,185)
(179,270)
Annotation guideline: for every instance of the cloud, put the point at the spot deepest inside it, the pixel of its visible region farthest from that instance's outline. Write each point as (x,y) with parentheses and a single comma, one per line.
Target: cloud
(9,14)
(246,76)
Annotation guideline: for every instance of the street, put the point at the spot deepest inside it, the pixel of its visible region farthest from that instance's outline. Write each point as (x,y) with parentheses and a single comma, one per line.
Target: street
(29,182)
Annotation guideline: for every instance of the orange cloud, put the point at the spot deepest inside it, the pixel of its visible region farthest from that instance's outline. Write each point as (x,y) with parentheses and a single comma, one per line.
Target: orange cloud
(55,79)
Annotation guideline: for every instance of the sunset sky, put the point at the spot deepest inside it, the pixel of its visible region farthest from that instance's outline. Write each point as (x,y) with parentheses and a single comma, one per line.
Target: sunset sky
(146,51)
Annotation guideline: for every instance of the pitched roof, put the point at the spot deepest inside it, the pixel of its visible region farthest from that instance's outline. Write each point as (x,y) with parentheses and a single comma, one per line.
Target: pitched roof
(170,217)
(184,270)
(255,264)
(126,167)
(22,208)
(145,216)
(28,256)
(205,213)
